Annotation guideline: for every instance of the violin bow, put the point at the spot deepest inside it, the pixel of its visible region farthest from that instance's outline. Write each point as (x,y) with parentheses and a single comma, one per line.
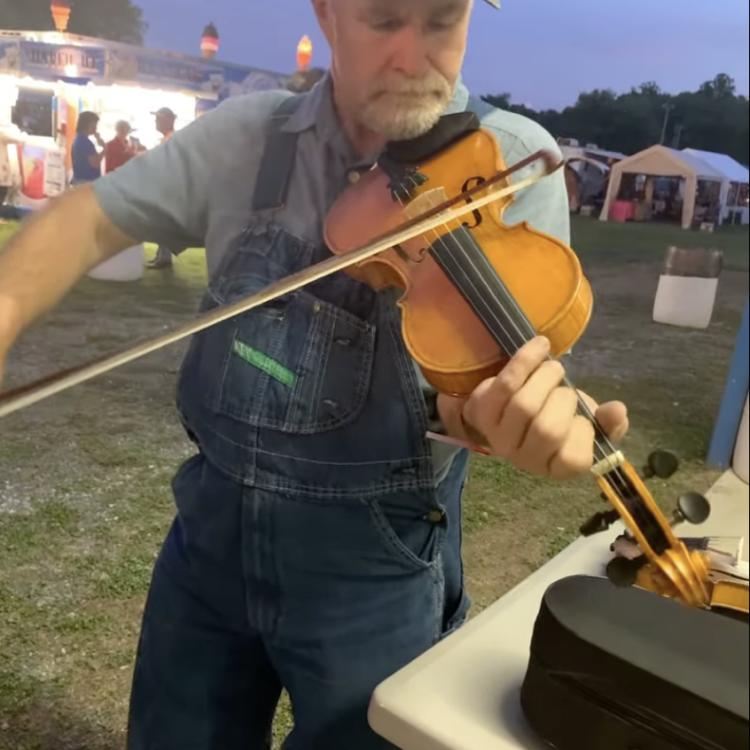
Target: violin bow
(20,398)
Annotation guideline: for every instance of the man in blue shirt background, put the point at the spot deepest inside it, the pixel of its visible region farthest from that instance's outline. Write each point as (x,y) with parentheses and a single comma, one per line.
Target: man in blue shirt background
(86,160)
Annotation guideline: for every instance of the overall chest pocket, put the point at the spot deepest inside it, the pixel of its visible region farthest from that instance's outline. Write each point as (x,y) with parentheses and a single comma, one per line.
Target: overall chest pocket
(297,365)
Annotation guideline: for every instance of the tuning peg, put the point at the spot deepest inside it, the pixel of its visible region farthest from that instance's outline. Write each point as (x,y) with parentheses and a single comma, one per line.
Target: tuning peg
(692,508)
(599,522)
(661,464)
(623,572)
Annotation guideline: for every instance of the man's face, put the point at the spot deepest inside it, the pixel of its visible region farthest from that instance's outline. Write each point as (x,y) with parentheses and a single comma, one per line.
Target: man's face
(395,62)
(123,129)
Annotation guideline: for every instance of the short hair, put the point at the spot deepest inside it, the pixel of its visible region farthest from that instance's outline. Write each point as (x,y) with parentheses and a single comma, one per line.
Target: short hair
(86,120)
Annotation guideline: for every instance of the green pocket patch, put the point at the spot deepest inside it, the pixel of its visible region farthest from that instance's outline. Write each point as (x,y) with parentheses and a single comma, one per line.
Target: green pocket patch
(265,363)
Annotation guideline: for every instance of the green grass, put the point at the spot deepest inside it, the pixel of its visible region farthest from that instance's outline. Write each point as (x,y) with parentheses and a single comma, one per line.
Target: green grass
(605,242)
(84,477)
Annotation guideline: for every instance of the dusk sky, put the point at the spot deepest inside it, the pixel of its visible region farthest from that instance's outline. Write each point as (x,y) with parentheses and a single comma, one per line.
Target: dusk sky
(543,52)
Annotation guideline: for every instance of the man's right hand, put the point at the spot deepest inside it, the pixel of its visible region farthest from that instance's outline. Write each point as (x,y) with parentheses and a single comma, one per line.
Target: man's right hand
(47,256)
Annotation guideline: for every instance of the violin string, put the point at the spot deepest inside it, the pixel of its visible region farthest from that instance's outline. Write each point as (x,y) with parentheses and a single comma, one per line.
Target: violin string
(610,452)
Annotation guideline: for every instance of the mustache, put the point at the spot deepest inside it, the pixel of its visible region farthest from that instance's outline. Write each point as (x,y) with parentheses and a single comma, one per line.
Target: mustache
(431,85)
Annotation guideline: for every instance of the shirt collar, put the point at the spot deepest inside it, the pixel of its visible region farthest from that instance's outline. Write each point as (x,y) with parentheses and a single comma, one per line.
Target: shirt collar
(317,109)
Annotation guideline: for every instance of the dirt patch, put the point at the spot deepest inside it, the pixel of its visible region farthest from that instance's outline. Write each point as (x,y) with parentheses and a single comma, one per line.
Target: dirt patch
(623,341)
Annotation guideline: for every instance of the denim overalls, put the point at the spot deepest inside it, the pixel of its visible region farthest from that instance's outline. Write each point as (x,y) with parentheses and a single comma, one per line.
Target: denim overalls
(312,548)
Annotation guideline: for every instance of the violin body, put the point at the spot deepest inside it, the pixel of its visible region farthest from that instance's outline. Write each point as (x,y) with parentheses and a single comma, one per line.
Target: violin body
(441,329)
(688,567)
(725,593)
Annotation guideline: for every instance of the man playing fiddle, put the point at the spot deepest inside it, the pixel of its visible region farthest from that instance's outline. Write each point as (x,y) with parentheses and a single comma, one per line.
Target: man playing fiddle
(316,545)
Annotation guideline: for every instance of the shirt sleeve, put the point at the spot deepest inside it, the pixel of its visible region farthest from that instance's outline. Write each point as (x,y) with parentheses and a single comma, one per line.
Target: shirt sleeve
(544,205)
(162,195)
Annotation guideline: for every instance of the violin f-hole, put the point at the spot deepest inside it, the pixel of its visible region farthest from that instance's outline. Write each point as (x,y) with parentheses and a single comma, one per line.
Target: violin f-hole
(406,258)
(470,183)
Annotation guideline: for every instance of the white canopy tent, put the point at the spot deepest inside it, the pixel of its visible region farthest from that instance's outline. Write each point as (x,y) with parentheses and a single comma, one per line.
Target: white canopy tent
(660,161)
(734,187)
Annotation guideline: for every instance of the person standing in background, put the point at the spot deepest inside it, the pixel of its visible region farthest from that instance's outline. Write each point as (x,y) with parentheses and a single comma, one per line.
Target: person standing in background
(8,139)
(120,149)
(165,124)
(86,160)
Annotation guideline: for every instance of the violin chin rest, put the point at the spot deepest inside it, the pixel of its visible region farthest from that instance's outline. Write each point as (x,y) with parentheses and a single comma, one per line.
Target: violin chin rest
(447,130)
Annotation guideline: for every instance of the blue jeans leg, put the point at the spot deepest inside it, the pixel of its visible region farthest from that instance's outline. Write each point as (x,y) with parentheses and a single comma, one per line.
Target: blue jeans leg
(367,590)
(255,589)
(203,679)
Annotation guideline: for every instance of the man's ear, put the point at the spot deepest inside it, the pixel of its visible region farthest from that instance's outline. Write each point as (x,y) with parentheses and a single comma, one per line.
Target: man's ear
(325,12)
(322,10)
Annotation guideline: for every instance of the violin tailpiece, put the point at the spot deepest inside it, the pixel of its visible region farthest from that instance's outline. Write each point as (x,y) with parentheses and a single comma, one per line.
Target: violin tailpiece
(403,179)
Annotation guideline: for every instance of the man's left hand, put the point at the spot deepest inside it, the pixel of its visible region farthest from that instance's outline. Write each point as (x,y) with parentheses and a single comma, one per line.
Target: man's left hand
(527,417)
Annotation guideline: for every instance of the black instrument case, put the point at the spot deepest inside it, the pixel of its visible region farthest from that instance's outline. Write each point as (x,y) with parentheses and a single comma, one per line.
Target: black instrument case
(625,669)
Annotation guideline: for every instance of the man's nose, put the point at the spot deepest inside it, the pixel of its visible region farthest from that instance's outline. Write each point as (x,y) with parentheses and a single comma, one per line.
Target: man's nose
(408,53)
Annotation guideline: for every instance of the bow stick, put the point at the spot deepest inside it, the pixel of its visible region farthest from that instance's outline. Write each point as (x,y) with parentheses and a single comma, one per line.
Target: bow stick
(20,398)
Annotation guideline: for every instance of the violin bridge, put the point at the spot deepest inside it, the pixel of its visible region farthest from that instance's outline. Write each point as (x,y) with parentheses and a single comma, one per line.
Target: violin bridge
(424,202)
(608,464)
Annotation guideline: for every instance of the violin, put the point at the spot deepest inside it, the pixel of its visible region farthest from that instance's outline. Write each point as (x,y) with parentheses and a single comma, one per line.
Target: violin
(428,220)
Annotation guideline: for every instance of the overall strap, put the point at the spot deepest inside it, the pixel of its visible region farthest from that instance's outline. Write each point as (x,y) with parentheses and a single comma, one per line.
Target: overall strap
(277,162)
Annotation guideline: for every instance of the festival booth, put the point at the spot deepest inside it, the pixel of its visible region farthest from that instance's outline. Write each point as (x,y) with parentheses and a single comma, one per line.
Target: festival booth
(663,183)
(586,180)
(734,187)
(47,78)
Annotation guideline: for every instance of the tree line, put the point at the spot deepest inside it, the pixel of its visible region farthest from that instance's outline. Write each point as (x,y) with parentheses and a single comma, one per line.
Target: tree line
(713,118)
(117,20)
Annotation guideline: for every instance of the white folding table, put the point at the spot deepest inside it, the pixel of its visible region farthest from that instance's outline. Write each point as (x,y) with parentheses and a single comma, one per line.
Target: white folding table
(464,693)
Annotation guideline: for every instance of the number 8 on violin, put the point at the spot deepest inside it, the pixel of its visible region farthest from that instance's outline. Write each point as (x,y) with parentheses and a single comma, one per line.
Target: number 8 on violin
(475,291)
